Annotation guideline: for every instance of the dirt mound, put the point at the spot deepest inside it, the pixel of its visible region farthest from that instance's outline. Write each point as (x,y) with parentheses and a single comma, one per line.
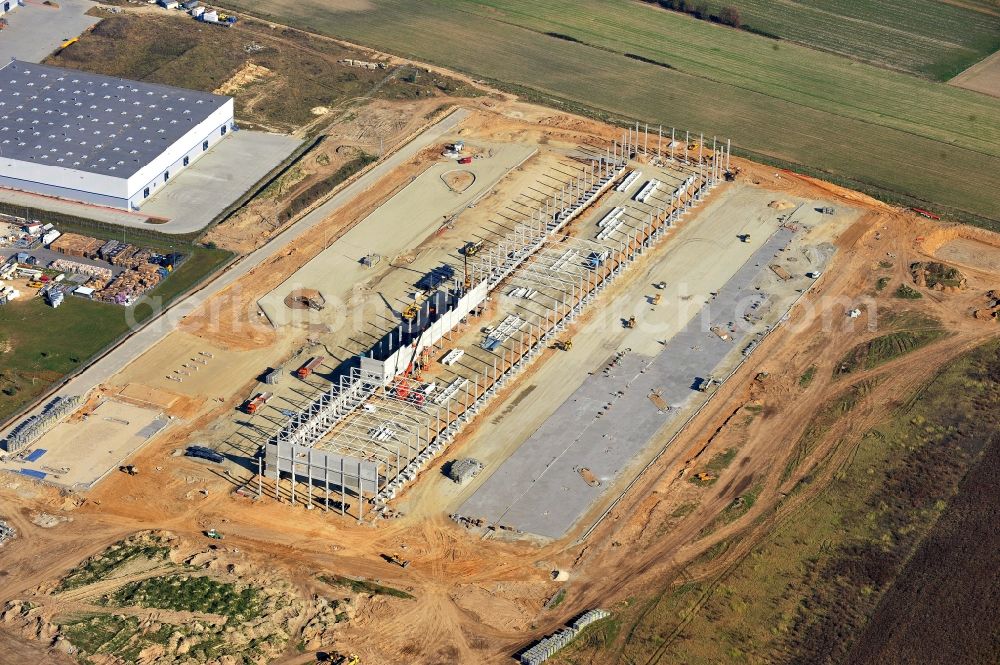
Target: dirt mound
(305,299)
(458,180)
(250,73)
(931,242)
(781,204)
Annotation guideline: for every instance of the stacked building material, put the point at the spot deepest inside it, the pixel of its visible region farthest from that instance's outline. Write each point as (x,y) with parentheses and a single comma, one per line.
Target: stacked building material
(98,272)
(131,284)
(548,646)
(73,244)
(32,428)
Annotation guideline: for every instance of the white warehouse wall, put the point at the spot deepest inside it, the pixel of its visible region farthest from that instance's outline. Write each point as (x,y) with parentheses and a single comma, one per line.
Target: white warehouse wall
(172,159)
(63,181)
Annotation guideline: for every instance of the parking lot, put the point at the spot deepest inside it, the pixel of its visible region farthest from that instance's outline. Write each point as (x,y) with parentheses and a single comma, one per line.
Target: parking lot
(36,30)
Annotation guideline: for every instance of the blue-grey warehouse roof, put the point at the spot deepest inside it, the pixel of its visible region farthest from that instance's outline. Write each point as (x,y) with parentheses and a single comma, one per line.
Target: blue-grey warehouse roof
(90,122)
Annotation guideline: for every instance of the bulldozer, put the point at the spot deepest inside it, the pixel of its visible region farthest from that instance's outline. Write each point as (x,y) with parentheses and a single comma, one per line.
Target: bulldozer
(341,659)
(564,344)
(630,322)
(396,559)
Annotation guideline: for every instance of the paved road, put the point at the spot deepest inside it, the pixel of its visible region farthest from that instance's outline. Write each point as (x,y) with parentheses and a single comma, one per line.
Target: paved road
(141,341)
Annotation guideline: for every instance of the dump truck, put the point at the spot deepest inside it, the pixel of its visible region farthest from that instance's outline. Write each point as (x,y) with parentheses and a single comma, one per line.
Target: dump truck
(310,367)
(253,405)
(656,299)
(213,534)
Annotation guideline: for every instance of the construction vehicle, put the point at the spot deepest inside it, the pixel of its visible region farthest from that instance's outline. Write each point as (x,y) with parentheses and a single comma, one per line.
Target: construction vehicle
(564,344)
(253,405)
(656,299)
(660,285)
(130,469)
(732,173)
(744,237)
(396,559)
(214,535)
(410,312)
(630,322)
(708,386)
(312,303)
(472,248)
(827,210)
(705,477)
(341,659)
(309,367)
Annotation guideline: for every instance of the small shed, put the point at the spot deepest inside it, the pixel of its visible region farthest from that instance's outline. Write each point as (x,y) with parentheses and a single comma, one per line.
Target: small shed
(84,291)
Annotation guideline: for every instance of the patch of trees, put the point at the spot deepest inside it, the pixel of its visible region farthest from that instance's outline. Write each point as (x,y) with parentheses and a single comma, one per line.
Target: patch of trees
(728,15)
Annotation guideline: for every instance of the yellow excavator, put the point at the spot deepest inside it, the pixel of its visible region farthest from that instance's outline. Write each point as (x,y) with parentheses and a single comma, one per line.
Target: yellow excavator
(564,344)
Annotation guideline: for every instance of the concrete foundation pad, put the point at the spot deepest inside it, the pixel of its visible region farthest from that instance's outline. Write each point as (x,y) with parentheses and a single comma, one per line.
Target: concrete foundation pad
(79,453)
(542,488)
(396,227)
(200,192)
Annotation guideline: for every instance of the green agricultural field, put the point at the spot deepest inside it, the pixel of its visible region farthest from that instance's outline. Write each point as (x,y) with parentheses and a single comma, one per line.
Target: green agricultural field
(925,37)
(866,126)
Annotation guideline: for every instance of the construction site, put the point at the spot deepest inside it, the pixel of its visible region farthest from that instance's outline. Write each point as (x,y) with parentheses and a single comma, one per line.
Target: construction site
(491,378)
(443,329)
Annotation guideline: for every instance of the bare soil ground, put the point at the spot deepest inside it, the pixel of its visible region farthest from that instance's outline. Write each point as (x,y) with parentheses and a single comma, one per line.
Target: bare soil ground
(984,76)
(480,600)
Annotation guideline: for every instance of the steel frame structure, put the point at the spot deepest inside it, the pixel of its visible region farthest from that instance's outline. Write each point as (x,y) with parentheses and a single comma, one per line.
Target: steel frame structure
(532,253)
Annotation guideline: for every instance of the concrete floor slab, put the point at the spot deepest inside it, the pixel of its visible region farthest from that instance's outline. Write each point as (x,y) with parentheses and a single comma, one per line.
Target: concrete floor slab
(36,30)
(396,227)
(200,192)
(72,456)
(540,489)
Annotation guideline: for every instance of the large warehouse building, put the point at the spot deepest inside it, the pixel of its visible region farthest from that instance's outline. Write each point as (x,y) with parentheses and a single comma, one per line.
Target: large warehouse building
(100,139)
